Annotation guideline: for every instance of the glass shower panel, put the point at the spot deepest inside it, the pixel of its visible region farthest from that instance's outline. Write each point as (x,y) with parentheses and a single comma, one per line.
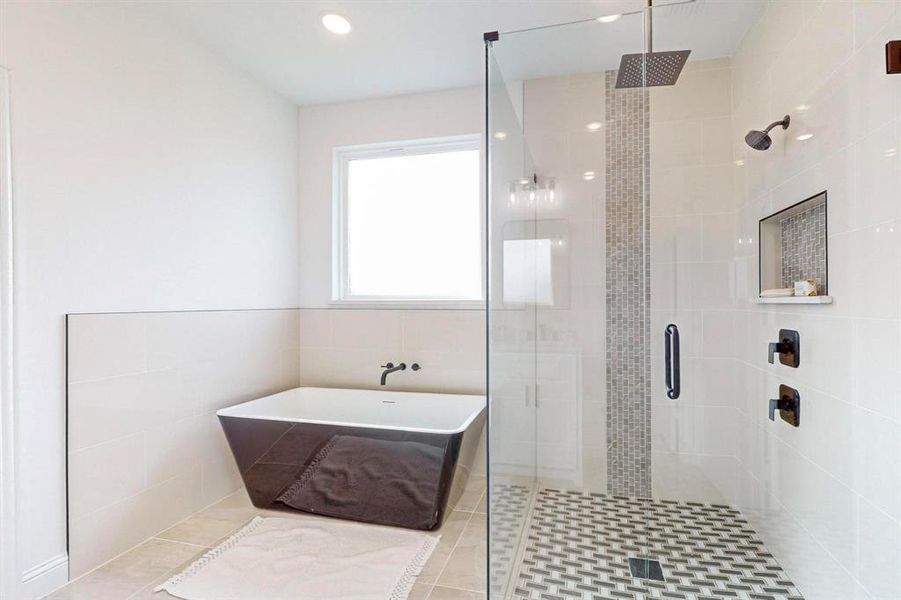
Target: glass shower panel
(660,466)
(517,270)
(569,356)
(639,433)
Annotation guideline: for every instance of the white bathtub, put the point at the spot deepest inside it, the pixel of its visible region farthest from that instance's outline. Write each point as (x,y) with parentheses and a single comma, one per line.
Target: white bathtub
(393,458)
(401,411)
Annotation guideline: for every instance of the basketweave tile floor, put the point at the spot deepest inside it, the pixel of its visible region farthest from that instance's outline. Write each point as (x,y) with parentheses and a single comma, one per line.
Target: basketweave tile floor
(510,506)
(578,545)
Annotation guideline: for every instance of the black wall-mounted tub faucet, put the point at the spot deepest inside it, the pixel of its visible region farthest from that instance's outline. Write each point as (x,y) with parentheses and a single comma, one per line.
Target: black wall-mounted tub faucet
(390,368)
(788,348)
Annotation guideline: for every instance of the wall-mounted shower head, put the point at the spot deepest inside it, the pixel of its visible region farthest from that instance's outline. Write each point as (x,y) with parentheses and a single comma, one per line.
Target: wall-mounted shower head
(761,140)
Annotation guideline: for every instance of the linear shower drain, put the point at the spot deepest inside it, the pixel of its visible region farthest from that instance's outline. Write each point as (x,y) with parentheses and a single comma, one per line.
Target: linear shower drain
(646,568)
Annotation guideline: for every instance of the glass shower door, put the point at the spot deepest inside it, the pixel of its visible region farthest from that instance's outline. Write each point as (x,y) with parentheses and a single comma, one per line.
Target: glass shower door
(569,308)
(514,258)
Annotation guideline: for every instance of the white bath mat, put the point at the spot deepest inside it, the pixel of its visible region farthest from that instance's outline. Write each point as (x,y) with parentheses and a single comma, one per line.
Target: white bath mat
(316,559)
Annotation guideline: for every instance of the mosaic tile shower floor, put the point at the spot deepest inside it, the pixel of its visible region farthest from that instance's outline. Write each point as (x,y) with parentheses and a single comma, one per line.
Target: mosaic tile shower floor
(578,546)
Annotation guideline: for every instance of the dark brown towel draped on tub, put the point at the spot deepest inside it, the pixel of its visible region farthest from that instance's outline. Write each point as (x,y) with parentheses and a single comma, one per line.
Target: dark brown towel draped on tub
(364,479)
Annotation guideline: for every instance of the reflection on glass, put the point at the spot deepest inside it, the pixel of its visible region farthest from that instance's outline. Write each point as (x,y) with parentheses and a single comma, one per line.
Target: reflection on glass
(527,272)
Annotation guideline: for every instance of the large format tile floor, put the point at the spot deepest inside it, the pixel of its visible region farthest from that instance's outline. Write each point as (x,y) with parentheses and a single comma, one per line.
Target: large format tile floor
(455,571)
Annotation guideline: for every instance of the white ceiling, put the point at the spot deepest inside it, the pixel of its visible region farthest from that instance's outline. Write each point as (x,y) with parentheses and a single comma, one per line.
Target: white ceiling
(400,46)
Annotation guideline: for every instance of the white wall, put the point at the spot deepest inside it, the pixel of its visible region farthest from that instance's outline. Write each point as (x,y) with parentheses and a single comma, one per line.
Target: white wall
(344,347)
(148,175)
(8,571)
(826,497)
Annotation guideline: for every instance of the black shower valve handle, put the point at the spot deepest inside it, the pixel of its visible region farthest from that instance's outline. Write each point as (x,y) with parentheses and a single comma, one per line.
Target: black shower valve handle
(788,404)
(788,348)
(778,404)
(778,348)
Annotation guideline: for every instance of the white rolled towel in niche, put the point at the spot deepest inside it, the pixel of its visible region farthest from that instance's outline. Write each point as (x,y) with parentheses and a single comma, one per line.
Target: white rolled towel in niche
(777,293)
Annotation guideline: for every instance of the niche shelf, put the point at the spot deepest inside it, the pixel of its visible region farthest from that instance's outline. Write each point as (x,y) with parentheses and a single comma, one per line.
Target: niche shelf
(793,246)
(795,300)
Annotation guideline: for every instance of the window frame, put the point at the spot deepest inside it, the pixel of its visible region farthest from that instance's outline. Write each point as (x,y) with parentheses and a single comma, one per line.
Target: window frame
(341,157)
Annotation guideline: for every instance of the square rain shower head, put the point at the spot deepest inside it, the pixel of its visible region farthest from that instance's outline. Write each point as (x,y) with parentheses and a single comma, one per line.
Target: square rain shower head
(663,68)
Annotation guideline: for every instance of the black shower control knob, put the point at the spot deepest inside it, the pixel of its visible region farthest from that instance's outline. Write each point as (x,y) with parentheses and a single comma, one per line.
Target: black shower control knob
(788,404)
(788,348)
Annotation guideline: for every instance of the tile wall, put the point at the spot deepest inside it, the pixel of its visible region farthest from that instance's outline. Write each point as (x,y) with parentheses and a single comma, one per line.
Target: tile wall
(692,220)
(145,449)
(804,248)
(347,348)
(826,497)
(692,285)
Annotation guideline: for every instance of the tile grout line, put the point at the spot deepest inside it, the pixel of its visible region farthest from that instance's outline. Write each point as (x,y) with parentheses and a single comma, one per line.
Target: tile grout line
(450,554)
(174,570)
(144,541)
(204,549)
(153,537)
(456,589)
(162,539)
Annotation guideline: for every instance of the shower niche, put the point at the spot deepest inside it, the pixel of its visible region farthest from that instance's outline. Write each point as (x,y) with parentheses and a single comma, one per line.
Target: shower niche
(794,254)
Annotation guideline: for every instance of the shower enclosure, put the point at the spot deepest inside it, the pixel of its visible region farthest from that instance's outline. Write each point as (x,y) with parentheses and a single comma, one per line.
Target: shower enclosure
(624,438)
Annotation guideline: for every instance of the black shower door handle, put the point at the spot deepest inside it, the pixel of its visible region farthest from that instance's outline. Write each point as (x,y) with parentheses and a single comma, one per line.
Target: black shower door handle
(671,360)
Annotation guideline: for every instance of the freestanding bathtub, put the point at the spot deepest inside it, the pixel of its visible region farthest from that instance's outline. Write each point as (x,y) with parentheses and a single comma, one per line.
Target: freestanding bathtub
(392,458)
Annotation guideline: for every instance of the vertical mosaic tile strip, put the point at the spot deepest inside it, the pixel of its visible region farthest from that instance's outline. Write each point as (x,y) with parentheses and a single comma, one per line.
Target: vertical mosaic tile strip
(579,545)
(804,247)
(628,291)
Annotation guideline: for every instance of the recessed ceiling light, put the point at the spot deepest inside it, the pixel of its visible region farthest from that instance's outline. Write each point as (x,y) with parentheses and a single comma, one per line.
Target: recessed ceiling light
(524,181)
(336,23)
(804,136)
(802,107)
(594,126)
(588,175)
(609,18)
(739,163)
(500,135)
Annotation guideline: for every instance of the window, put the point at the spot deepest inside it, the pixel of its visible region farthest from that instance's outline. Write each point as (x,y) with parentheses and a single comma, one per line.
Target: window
(408,222)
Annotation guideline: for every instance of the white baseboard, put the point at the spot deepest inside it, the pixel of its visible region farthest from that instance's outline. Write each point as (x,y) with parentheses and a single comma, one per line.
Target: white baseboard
(40,580)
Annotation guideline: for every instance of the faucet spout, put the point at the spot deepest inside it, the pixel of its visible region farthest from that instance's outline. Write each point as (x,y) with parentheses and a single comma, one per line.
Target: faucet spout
(390,368)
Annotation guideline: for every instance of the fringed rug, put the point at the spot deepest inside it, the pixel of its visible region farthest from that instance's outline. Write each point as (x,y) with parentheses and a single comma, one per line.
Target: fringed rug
(321,559)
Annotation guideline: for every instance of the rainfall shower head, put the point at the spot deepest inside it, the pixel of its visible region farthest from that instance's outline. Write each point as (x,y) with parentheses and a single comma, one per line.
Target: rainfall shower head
(761,140)
(651,69)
